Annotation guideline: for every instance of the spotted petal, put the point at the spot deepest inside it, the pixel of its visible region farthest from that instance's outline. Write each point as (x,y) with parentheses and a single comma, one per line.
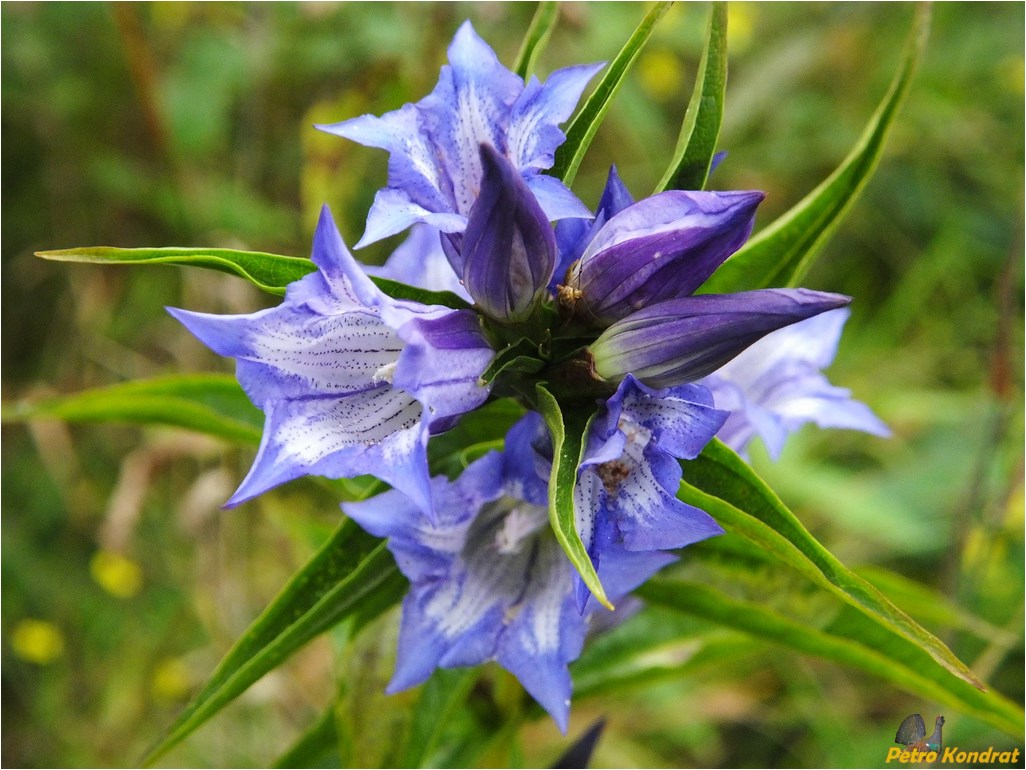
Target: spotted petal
(321,366)
(488,580)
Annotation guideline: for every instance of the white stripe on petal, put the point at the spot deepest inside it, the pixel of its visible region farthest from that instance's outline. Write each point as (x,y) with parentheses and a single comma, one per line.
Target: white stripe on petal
(312,429)
(334,354)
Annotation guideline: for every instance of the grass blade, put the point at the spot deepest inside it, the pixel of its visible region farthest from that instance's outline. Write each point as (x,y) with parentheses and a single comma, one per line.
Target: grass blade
(537,37)
(861,644)
(207,403)
(782,253)
(696,144)
(269,272)
(723,485)
(352,575)
(583,127)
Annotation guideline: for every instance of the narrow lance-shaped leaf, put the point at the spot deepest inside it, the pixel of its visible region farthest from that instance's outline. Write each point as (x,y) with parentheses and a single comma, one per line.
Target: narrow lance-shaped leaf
(351,576)
(207,403)
(317,747)
(439,698)
(269,272)
(583,127)
(782,253)
(537,37)
(567,446)
(722,484)
(889,657)
(933,606)
(696,144)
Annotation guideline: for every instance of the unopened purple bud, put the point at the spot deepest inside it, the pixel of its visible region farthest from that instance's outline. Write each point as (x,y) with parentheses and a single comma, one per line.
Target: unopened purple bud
(663,247)
(508,251)
(680,340)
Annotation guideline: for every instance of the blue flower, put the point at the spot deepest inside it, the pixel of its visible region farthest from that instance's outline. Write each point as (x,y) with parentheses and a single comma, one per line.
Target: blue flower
(574,234)
(434,164)
(350,380)
(681,340)
(776,386)
(508,252)
(662,247)
(488,580)
(625,501)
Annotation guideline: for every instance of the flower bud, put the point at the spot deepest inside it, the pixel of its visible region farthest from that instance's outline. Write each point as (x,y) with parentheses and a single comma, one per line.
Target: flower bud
(663,247)
(508,251)
(680,340)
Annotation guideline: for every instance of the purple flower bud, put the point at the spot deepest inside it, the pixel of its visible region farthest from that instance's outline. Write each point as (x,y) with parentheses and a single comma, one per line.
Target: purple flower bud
(659,248)
(508,251)
(681,340)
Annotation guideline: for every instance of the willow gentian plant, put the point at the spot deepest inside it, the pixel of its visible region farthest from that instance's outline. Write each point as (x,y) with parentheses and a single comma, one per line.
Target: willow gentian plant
(638,345)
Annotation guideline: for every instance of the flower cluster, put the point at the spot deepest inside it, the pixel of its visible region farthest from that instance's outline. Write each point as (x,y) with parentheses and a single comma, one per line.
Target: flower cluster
(597,308)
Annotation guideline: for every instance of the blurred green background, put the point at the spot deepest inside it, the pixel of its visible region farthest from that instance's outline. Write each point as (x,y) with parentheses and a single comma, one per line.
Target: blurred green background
(191,125)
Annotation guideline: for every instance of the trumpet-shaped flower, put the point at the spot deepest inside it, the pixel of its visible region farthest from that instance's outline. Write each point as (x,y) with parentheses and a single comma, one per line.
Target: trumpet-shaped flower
(626,501)
(776,386)
(488,580)
(350,380)
(434,172)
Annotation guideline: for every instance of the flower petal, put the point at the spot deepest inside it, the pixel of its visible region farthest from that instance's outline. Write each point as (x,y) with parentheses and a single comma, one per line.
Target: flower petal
(574,234)
(469,106)
(412,165)
(375,431)
(682,420)
(555,198)
(775,386)
(546,633)
(443,361)
(393,211)
(419,261)
(534,133)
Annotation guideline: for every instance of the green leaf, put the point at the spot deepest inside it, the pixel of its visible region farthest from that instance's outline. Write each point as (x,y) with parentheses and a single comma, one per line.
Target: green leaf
(317,747)
(863,645)
(583,127)
(270,272)
(567,448)
(637,652)
(351,576)
(398,290)
(519,356)
(724,486)
(782,253)
(439,698)
(933,606)
(696,144)
(207,403)
(537,37)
